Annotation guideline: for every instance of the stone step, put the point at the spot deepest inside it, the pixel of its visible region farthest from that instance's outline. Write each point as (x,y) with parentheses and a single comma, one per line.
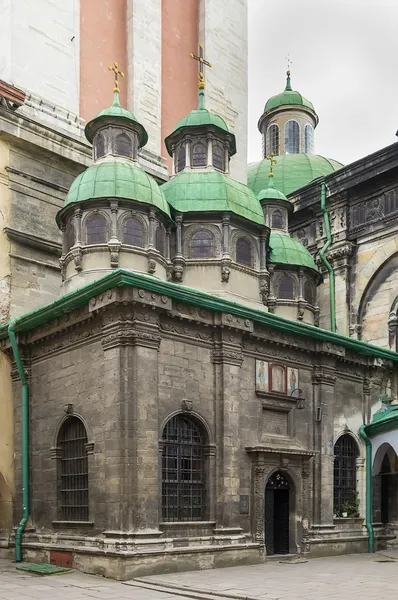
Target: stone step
(182,590)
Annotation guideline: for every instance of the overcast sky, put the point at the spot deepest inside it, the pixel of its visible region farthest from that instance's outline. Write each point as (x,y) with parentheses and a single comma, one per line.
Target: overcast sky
(344,59)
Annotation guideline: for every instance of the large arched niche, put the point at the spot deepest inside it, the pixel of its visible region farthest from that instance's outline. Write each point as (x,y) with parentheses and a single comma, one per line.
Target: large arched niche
(388,444)
(374,308)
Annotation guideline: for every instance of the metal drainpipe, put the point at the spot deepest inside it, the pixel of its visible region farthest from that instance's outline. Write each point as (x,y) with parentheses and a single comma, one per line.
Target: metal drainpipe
(369,526)
(325,261)
(25,441)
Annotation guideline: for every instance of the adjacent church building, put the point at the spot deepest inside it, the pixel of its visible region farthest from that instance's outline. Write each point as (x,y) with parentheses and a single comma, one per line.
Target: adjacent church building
(206,374)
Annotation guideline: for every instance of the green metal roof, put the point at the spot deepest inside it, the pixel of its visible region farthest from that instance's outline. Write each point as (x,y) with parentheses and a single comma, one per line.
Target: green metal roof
(292,172)
(385,419)
(116,111)
(286,250)
(287,97)
(212,191)
(124,180)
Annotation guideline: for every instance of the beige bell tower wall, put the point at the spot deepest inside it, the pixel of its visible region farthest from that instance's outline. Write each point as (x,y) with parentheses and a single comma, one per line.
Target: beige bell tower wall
(280,117)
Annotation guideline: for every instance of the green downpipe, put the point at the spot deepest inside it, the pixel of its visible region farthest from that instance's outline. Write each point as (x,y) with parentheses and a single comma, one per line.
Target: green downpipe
(25,441)
(325,261)
(369,526)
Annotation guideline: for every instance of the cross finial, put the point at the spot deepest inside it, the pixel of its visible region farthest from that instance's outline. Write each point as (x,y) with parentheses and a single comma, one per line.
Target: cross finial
(201,63)
(289,63)
(272,162)
(115,69)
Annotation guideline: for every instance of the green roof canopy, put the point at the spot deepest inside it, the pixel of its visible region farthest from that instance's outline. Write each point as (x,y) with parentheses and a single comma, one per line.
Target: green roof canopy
(212,191)
(293,171)
(286,250)
(288,97)
(124,180)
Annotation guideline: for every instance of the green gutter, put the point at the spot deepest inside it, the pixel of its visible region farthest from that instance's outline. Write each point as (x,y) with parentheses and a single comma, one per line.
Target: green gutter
(25,440)
(120,278)
(325,261)
(369,526)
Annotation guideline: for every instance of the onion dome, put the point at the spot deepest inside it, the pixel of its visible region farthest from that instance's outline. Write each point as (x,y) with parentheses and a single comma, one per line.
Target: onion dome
(286,250)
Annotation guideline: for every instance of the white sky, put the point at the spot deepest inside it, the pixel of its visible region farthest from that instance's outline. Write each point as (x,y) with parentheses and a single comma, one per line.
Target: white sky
(344,60)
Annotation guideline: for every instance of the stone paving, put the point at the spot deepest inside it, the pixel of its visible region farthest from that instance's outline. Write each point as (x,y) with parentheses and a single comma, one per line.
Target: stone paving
(344,577)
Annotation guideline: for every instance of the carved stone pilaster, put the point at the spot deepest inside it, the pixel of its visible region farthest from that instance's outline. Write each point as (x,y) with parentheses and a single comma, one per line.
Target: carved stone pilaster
(227,353)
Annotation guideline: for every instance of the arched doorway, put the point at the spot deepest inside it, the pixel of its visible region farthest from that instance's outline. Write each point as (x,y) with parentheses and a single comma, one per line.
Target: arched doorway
(277,514)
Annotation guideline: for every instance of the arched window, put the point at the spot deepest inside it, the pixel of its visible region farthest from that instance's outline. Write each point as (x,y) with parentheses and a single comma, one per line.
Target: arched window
(70,235)
(273,139)
(244,252)
(123,145)
(218,157)
(180,162)
(292,137)
(309,291)
(96,229)
(183,470)
(199,155)
(277,220)
(133,232)
(73,471)
(202,245)
(100,146)
(159,239)
(308,139)
(286,288)
(345,475)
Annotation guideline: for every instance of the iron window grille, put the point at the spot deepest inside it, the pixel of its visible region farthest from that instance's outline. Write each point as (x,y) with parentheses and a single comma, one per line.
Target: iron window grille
(183,471)
(345,472)
(73,481)
(202,245)
(244,252)
(96,229)
(133,233)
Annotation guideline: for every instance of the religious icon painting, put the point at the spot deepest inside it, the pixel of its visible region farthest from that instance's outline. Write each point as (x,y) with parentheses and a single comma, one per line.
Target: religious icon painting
(278,378)
(292,380)
(261,376)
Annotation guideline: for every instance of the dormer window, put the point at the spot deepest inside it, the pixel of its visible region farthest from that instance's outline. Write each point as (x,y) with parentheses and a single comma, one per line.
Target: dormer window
(218,157)
(123,145)
(199,155)
(181,159)
(100,146)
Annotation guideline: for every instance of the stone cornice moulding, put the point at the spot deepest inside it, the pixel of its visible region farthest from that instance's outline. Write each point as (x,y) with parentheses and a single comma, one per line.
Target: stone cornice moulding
(33,241)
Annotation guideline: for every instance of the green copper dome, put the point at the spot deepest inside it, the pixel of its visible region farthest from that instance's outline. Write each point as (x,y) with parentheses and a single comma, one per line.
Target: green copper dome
(286,250)
(288,97)
(212,191)
(292,171)
(124,180)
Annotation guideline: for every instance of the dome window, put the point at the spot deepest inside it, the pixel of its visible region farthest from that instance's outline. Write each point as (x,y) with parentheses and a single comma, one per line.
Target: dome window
(70,235)
(286,288)
(159,240)
(202,245)
(244,252)
(292,137)
(100,146)
(308,139)
(133,233)
(277,220)
(218,157)
(199,155)
(96,229)
(272,144)
(123,145)
(181,159)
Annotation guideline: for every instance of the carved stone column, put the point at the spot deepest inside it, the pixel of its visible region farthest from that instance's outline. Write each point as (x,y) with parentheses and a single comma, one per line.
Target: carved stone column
(178,261)
(226,257)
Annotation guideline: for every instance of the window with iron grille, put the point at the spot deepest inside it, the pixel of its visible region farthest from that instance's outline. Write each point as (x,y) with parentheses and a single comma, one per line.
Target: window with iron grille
(199,155)
(181,159)
(96,229)
(218,157)
(73,471)
(286,288)
(292,137)
(123,145)
(183,470)
(345,472)
(273,139)
(202,245)
(100,146)
(244,252)
(277,219)
(133,232)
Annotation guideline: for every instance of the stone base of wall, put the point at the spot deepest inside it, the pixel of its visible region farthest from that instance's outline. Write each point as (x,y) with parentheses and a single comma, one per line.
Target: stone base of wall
(345,536)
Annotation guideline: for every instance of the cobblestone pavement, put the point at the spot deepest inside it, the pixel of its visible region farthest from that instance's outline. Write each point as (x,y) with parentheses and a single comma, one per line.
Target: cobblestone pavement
(344,577)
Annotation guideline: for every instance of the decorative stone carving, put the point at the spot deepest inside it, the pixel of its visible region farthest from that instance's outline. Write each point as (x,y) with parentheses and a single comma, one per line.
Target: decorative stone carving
(77,257)
(225,271)
(187,405)
(114,249)
(224,352)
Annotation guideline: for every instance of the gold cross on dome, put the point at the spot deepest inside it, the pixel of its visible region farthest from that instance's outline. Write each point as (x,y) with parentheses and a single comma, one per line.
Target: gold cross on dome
(115,69)
(289,61)
(201,63)
(272,162)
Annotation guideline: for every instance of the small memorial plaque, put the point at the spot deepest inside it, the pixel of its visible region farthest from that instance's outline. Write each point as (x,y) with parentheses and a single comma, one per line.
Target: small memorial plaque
(244,505)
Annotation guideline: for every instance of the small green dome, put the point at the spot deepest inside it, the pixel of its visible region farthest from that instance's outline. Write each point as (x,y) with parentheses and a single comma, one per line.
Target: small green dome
(271,193)
(288,97)
(286,250)
(124,180)
(212,191)
(292,171)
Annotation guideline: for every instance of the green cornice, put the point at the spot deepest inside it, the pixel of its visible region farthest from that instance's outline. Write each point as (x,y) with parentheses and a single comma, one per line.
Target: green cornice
(385,419)
(120,278)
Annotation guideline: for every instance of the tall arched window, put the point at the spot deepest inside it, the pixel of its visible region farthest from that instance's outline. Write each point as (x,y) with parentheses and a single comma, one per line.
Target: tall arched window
(99,146)
(273,139)
(345,475)
(181,158)
(286,288)
(70,234)
(202,245)
(277,220)
(183,470)
(218,157)
(96,229)
(199,155)
(292,137)
(133,232)
(159,239)
(244,252)
(123,145)
(308,139)
(73,471)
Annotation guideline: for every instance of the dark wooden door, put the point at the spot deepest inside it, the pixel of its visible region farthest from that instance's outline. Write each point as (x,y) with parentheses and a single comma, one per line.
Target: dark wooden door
(276,515)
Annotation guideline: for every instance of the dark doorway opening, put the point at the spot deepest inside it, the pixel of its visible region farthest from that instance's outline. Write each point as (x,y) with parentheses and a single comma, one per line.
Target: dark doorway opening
(385,474)
(277,512)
